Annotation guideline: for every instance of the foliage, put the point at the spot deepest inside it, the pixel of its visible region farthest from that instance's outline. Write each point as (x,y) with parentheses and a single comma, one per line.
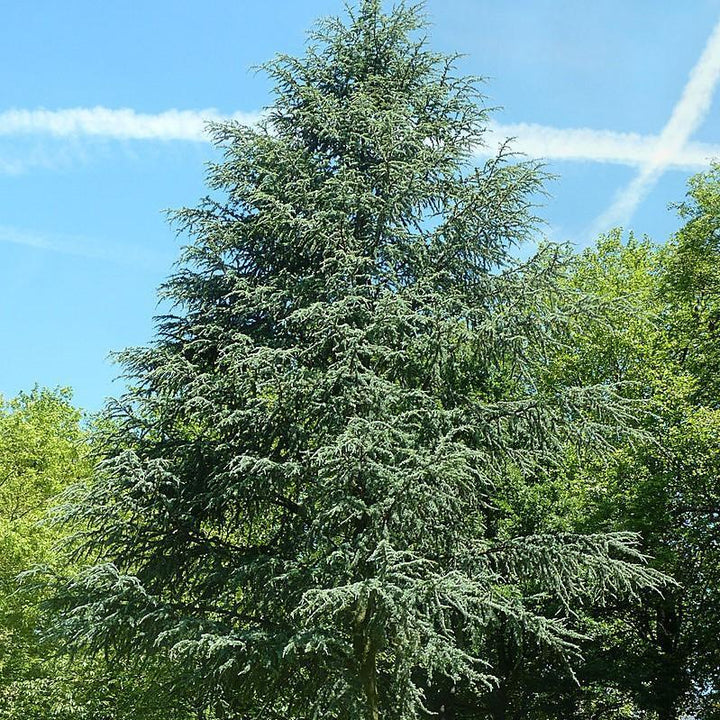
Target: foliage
(660,658)
(691,286)
(301,499)
(42,451)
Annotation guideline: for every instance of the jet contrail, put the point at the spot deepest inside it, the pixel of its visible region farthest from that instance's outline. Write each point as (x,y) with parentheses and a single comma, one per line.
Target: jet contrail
(533,140)
(118,124)
(687,115)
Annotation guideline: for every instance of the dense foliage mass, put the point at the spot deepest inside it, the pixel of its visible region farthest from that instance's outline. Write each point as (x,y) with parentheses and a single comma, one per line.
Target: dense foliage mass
(42,450)
(299,499)
(374,465)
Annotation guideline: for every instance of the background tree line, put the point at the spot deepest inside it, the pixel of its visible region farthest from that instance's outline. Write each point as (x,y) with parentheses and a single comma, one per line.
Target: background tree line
(379,462)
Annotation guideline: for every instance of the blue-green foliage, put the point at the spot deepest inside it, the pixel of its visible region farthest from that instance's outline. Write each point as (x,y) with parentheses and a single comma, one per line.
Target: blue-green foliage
(300,495)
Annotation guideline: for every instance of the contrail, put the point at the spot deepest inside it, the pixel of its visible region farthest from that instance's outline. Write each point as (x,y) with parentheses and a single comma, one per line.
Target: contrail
(687,115)
(535,141)
(590,145)
(120,124)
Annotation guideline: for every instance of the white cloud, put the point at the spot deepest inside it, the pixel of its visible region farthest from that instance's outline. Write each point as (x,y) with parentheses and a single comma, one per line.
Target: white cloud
(585,144)
(122,124)
(687,116)
(535,141)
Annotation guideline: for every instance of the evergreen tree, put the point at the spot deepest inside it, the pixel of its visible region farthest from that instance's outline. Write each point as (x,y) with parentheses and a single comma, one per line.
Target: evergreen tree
(299,498)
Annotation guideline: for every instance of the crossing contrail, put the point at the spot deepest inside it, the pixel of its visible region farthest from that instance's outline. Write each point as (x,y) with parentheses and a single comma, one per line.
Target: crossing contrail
(686,117)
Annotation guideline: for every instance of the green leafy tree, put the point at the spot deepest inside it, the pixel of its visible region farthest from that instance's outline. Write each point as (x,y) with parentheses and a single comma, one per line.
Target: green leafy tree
(691,287)
(658,658)
(298,504)
(688,637)
(626,343)
(42,451)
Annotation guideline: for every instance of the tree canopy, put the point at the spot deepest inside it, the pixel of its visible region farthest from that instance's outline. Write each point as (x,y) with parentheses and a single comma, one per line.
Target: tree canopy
(42,450)
(303,496)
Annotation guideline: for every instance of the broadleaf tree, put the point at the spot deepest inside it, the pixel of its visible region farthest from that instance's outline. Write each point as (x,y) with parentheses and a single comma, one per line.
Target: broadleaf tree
(658,658)
(42,450)
(298,501)
(44,447)
(666,653)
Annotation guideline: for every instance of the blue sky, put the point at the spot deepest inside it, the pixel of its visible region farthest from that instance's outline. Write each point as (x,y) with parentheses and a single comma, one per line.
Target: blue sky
(101,130)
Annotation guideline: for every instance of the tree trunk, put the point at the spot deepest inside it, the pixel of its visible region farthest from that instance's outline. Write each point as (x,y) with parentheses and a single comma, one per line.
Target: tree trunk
(366,657)
(369,682)
(669,683)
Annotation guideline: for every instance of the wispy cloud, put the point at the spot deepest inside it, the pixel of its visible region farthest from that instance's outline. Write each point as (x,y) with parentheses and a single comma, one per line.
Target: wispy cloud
(121,124)
(84,247)
(686,117)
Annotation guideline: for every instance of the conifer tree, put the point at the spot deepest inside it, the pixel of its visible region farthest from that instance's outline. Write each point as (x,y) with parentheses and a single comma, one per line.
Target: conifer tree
(298,501)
